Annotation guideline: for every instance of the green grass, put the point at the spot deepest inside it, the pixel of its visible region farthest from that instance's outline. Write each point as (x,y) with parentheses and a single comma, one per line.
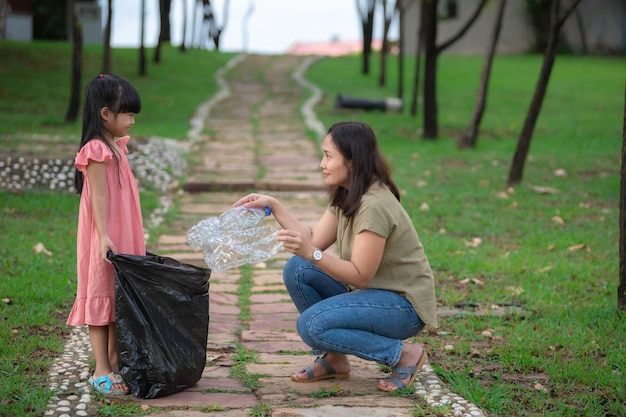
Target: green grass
(569,336)
(561,354)
(34,103)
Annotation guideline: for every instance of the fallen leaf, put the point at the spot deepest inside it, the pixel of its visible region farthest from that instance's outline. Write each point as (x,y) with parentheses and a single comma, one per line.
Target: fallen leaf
(7,301)
(477,281)
(487,333)
(475,242)
(558,220)
(464,281)
(544,190)
(442,231)
(475,354)
(545,268)
(560,173)
(424,207)
(577,247)
(448,348)
(515,290)
(502,195)
(40,248)
(540,387)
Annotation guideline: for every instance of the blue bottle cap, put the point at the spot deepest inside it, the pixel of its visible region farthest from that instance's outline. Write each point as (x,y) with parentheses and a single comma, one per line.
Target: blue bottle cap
(268,211)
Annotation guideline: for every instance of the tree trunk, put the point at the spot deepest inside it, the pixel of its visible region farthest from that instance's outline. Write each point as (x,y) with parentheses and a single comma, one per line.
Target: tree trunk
(3,5)
(429,8)
(165,7)
(367,25)
(581,29)
(142,48)
(418,64)
(77,59)
(384,51)
(244,25)
(400,8)
(523,144)
(106,61)
(194,31)
(183,46)
(468,139)
(621,289)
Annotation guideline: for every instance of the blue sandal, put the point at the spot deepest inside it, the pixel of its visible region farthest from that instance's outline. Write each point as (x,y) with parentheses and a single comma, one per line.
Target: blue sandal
(330,373)
(104,383)
(405,372)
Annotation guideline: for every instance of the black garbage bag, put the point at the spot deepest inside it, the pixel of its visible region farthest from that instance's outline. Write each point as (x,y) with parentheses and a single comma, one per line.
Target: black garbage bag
(162,320)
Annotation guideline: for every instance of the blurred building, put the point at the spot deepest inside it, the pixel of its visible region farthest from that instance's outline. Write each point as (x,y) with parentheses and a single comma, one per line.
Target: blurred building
(24,23)
(596,27)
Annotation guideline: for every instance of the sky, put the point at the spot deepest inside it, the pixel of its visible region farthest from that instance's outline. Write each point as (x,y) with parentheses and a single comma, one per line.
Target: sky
(273,26)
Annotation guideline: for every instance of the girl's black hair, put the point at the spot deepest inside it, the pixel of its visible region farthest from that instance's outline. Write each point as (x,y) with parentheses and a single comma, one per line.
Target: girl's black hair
(104,90)
(357,144)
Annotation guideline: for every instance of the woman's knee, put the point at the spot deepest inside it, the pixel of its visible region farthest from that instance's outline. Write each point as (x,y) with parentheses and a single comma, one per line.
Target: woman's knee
(292,269)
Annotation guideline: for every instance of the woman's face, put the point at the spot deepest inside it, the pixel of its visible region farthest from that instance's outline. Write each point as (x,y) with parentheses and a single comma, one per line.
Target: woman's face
(335,168)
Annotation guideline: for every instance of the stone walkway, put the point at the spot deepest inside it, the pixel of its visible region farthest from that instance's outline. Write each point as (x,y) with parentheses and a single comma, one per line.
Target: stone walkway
(255,134)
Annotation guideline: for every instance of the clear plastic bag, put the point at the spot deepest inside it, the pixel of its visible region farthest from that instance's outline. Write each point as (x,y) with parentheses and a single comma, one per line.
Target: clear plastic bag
(231,239)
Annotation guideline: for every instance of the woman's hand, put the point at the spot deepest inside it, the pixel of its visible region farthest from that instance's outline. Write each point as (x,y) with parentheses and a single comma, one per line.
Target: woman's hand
(256,201)
(295,243)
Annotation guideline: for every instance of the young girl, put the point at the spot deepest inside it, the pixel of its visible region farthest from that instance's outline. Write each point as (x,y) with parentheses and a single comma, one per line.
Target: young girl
(109,218)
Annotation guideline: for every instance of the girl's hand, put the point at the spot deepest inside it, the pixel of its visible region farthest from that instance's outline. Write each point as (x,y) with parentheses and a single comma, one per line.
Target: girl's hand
(105,246)
(295,243)
(255,201)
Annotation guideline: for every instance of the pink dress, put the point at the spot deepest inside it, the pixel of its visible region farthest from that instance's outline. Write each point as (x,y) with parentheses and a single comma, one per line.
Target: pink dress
(95,295)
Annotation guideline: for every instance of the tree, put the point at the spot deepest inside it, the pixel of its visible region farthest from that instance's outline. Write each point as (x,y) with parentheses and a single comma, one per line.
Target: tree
(165,6)
(418,60)
(367,25)
(468,138)
(77,58)
(384,50)
(142,47)
(431,54)
(183,45)
(106,61)
(244,25)
(523,143)
(621,289)
(3,5)
(401,52)
(214,29)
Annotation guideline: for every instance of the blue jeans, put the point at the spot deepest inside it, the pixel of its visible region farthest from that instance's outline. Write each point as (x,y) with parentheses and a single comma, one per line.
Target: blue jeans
(369,323)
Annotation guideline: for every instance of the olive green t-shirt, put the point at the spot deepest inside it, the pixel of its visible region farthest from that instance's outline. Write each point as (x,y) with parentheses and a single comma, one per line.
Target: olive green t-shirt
(404,267)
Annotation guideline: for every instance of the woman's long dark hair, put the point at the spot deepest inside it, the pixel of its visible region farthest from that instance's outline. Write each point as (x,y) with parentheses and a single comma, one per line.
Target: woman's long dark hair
(104,90)
(357,144)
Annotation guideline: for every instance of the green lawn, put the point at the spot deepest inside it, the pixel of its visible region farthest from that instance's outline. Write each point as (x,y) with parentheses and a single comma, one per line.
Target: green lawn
(550,246)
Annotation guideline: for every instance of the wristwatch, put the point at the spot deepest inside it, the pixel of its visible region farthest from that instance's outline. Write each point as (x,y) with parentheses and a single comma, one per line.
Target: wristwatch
(317,255)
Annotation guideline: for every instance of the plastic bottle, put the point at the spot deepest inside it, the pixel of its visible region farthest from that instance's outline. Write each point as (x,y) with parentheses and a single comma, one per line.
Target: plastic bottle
(230,239)
(242,218)
(249,246)
(199,235)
